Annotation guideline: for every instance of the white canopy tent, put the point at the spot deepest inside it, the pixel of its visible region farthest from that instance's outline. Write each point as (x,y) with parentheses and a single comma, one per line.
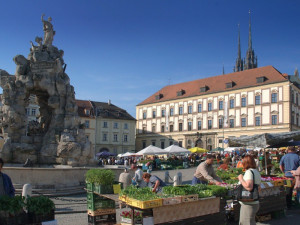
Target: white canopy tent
(128,154)
(230,149)
(175,149)
(152,150)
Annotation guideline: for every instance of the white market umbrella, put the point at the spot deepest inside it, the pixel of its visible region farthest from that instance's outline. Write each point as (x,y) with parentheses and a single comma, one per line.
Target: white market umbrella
(128,154)
(230,149)
(151,150)
(175,149)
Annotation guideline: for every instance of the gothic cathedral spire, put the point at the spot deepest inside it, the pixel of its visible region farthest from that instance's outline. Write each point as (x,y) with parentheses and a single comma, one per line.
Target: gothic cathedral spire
(239,64)
(251,59)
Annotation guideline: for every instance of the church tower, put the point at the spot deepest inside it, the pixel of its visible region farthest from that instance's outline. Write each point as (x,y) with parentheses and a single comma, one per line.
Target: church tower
(239,64)
(251,59)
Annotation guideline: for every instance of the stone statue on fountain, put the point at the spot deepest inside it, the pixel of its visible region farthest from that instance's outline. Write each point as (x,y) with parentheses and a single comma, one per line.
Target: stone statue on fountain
(60,138)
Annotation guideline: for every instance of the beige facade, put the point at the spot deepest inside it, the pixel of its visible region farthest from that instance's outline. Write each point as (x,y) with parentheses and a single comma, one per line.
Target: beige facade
(117,136)
(198,120)
(108,127)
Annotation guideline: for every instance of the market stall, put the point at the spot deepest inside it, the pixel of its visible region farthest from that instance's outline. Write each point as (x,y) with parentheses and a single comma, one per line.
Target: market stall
(175,205)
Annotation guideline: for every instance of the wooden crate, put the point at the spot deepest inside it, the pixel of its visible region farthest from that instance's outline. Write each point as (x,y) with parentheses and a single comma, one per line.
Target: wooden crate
(144,204)
(189,198)
(100,212)
(122,198)
(278,182)
(184,210)
(263,218)
(172,200)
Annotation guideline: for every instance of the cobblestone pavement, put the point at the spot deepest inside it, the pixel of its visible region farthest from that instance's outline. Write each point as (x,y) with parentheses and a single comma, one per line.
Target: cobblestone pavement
(71,210)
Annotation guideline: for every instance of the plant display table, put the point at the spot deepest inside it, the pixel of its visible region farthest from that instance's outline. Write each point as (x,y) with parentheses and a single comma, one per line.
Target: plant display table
(183,212)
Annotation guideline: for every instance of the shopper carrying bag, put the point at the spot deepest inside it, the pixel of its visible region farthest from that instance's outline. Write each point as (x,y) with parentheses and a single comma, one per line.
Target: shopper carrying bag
(250,186)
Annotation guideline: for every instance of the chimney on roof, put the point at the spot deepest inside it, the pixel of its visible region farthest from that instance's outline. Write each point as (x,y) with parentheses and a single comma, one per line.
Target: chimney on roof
(109,101)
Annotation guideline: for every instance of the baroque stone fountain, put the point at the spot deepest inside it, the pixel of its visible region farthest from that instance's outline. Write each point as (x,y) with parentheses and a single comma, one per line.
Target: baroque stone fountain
(58,136)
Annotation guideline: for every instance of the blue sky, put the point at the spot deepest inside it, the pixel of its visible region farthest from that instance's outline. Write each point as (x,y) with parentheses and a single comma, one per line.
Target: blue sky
(126,50)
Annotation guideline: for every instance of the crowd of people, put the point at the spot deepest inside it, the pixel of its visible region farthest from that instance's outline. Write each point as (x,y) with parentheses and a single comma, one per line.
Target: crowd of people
(251,162)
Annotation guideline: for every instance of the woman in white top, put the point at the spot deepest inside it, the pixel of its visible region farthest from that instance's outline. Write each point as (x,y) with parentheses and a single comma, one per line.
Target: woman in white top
(249,209)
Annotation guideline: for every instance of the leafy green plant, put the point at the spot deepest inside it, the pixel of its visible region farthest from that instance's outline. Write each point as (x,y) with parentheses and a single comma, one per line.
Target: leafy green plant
(12,205)
(40,205)
(100,176)
(143,194)
(199,189)
(218,190)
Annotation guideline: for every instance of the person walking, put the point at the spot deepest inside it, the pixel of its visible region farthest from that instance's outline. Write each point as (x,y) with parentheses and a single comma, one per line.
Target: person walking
(6,186)
(288,162)
(138,175)
(205,173)
(252,176)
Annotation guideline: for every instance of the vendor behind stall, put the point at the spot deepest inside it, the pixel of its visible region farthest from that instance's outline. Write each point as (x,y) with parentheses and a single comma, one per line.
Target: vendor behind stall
(153,182)
(205,173)
(269,163)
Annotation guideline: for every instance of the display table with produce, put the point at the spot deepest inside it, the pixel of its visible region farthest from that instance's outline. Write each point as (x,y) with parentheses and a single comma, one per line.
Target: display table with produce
(176,204)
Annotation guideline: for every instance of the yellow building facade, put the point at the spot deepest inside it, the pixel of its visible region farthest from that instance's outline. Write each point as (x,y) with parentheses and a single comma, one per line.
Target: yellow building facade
(108,127)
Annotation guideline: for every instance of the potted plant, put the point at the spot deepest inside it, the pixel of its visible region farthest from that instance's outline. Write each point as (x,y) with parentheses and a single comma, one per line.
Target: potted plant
(100,180)
(11,210)
(40,209)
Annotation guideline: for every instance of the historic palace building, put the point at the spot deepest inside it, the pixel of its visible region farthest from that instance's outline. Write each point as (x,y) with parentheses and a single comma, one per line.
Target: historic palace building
(207,111)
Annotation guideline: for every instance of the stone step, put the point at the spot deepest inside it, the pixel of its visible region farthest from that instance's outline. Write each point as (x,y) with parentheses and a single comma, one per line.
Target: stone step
(56,192)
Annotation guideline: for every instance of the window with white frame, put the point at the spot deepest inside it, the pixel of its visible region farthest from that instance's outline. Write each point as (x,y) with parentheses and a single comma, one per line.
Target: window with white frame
(126,126)
(257,100)
(104,137)
(115,137)
(199,108)
(115,125)
(209,124)
(189,125)
(257,121)
(125,138)
(190,109)
(274,98)
(274,119)
(105,124)
(180,110)
(231,103)
(243,121)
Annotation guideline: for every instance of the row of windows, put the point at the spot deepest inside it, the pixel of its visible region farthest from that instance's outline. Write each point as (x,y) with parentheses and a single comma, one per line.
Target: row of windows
(116,125)
(115,137)
(105,125)
(210,124)
(210,106)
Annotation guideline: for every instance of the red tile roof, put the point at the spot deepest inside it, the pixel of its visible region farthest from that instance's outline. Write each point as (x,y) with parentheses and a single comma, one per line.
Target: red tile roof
(82,106)
(216,84)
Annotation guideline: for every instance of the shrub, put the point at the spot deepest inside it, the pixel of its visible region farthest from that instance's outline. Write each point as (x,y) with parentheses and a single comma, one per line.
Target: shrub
(100,176)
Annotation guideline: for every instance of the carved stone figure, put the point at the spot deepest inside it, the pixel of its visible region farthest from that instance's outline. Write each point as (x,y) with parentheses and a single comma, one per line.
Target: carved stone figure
(48,31)
(57,136)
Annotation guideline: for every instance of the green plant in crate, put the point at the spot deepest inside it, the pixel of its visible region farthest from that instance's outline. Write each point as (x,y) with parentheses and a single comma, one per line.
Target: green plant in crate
(40,205)
(218,190)
(100,176)
(142,194)
(12,206)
